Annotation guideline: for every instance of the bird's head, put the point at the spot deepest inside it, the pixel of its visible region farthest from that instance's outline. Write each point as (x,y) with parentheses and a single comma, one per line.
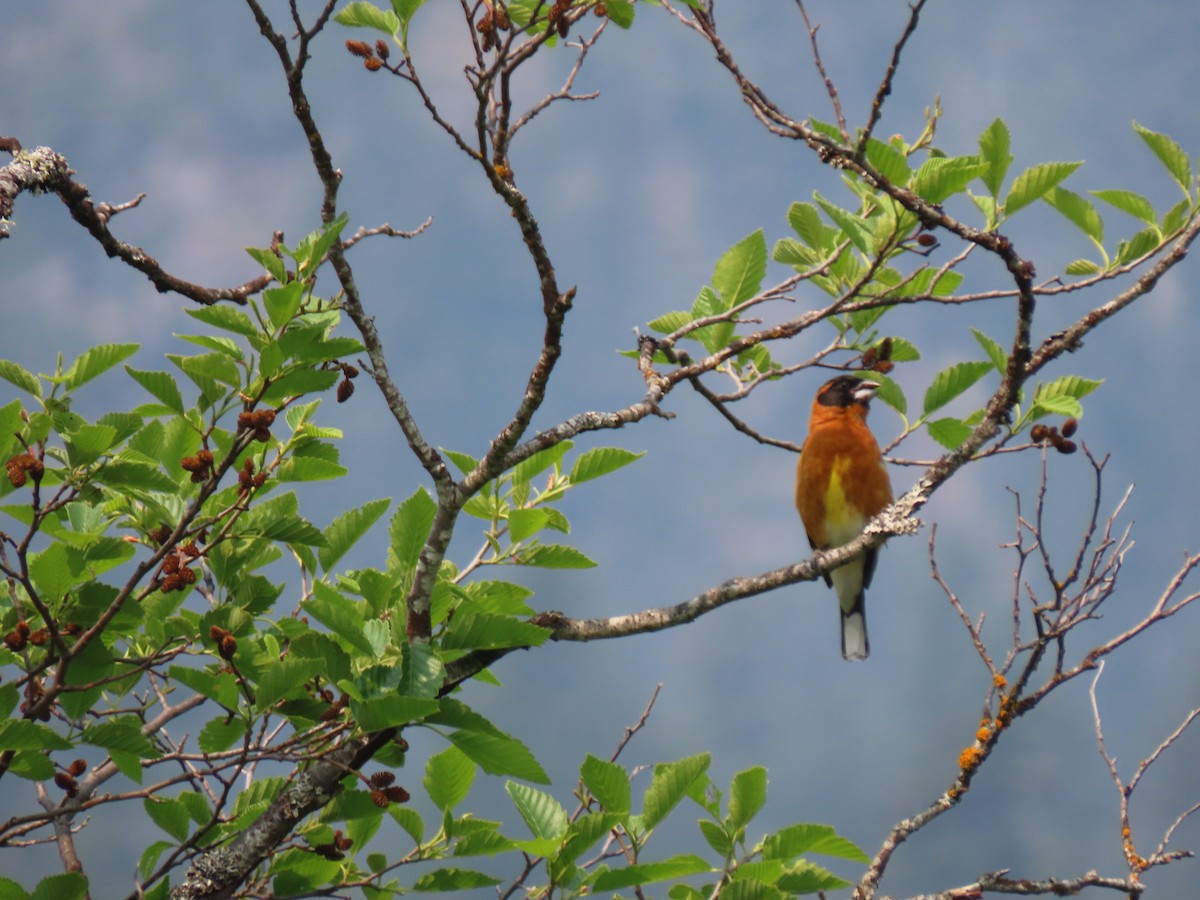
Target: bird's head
(846,391)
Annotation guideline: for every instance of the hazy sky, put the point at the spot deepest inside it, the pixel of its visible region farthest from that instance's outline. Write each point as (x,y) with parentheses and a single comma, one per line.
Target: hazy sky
(639,192)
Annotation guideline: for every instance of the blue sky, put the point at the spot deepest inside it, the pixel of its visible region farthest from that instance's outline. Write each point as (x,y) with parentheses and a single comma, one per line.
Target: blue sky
(639,192)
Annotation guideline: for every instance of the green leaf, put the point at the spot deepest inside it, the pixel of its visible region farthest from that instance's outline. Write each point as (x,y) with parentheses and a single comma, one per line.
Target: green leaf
(1170,154)
(67,886)
(853,227)
(620,11)
(281,678)
(524,523)
(366,15)
(20,377)
(453,880)
(122,735)
(994,147)
(338,614)
(469,631)
(448,778)
(410,527)
(808,878)
(555,556)
(1067,386)
(390,710)
(127,475)
(10,890)
(796,840)
(949,432)
(22,734)
(269,261)
(344,532)
(421,671)
(1083,267)
(646,873)
(283,302)
(161,385)
(1035,182)
(600,461)
(169,815)
(996,354)
(670,785)
(1078,210)
(96,361)
(1145,241)
(500,755)
(221,734)
(890,393)
(806,222)
(747,794)
(525,471)
(1128,201)
(951,382)
(608,782)
(739,273)
(888,161)
(544,816)
(941,177)
(670,322)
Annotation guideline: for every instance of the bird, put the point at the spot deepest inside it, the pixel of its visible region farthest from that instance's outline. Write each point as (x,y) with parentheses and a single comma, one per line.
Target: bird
(841,483)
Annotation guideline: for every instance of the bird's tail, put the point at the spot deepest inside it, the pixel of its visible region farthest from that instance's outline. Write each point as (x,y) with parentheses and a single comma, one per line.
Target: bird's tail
(854,629)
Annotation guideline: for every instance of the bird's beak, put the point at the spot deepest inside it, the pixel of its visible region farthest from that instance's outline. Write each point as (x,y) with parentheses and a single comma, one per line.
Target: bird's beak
(865,390)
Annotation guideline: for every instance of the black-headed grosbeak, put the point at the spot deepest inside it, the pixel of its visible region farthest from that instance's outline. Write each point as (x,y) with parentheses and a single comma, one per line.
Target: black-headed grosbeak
(841,483)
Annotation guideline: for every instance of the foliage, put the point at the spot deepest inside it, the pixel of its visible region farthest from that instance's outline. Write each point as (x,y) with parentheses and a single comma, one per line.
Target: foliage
(157,563)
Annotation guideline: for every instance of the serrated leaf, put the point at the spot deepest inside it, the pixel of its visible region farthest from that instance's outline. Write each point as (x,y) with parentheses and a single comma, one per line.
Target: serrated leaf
(280,678)
(410,526)
(448,778)
(747,794)
(996,354)
(801,838)
(269,261)
(283,302)
(22,734)
(344,532)
(96,361)
(1035,182)
(20,377)
(469,631)
(454,880)
(891,393)
(994,147)
(67,886)
(543,815)
(122,736)
(161,385)
(526,470)
(888,161)
(808,878)
(716,837)
(949,432)
(500,755)
(670,785)
(1128,201)
(739,273)
(608,782)
(852,226)
(1083,267)
(169,815)
(951,382)
(1056,406)
(941,177)
(390,711)
(647,873)
(670,322)
(620,12)
(524,523)
(127,475)
(1145,241)
(1170,154)
(600,461)
(806,222)
(1078,210)
(338,614)
(1066,386)
(221,734)
(360,14)
(555,556)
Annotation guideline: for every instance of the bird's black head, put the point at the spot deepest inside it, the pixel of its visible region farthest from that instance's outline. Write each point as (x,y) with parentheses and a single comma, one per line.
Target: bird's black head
(846,390)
